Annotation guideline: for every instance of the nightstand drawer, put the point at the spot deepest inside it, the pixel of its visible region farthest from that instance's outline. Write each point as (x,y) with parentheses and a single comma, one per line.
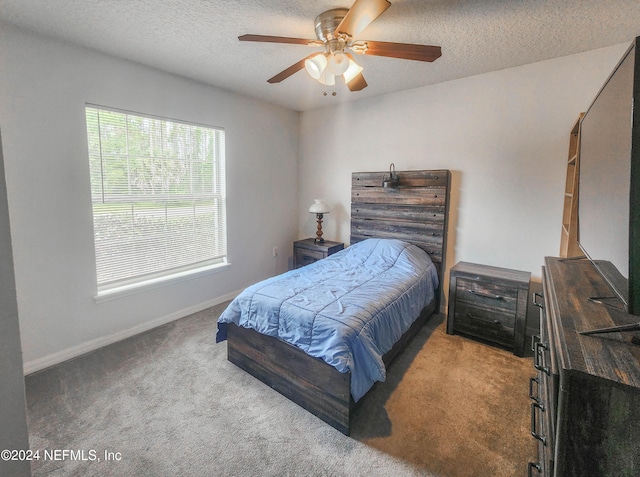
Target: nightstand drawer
(308,251)
(487,295)
(305,256)
(490,324)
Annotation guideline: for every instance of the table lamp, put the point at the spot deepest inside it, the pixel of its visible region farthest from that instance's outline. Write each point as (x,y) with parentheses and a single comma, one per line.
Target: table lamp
(319,208)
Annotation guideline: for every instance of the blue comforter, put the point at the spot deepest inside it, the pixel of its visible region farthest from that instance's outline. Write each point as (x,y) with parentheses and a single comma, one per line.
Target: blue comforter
(347,309)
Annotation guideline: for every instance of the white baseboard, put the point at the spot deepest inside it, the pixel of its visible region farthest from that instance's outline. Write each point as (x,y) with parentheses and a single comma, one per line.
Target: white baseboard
(88,346)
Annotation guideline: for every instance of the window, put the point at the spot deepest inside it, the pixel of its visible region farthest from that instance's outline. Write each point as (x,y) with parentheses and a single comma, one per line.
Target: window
(158,194)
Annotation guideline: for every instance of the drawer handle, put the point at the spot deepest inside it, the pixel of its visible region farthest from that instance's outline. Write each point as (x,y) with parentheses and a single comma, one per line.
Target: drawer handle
(536,398)
(538,357)
(308,258)
(484,320)
(486,295)
(534,431)
(534,339)
(535,302)
(534,465)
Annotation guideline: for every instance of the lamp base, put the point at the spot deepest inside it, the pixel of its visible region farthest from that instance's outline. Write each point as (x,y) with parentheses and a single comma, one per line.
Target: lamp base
(319,238)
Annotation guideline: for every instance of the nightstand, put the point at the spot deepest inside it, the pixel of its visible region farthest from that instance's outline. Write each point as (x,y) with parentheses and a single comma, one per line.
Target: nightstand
(489,303)
(307,251)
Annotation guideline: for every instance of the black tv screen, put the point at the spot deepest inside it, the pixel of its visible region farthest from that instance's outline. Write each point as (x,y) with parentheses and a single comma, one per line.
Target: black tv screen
(608,204)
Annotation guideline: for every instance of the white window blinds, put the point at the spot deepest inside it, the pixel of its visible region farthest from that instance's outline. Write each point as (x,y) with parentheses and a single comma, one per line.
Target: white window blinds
(158,194)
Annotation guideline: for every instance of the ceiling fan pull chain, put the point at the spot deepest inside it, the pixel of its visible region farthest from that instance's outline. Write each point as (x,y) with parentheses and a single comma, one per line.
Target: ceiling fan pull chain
(333,93)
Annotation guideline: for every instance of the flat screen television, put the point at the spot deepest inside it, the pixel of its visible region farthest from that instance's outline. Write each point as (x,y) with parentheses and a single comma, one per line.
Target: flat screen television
(609,185)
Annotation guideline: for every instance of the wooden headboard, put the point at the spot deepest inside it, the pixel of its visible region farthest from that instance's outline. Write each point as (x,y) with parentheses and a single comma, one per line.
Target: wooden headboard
(416,212)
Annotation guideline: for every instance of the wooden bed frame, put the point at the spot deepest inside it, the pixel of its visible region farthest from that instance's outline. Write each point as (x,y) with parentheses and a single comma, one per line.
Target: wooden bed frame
(416,212)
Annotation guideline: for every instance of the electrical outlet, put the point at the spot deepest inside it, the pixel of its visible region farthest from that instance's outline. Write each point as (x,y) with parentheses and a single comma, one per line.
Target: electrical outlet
(275,251)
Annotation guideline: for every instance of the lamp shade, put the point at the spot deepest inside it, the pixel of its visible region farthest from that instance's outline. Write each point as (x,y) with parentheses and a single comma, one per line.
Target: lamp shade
(316,65)
(319,207)
(338,63)
(353,70)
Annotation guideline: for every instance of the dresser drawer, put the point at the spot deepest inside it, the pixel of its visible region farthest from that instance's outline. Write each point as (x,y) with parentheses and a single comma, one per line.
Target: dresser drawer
(541,429)
(543,392)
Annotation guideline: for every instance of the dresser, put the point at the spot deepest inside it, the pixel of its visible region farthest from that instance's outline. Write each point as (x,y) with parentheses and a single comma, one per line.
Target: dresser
(308,251)
(490,304)
(585,394)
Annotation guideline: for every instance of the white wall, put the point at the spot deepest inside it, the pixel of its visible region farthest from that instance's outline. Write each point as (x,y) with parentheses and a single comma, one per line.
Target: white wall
(504,135)
(44,85)
(13,413)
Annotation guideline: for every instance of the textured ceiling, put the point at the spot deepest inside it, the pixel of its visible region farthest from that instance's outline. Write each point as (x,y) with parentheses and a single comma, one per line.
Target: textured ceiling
(198,38)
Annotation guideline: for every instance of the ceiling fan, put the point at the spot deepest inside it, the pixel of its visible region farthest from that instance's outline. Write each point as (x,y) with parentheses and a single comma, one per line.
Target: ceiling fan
(335,32)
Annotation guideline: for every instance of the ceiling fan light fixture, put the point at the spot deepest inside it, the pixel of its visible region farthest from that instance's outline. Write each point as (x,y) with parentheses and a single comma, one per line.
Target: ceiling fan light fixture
(353,70)
(335,31)
(338,63)
(327,78)
(316,66)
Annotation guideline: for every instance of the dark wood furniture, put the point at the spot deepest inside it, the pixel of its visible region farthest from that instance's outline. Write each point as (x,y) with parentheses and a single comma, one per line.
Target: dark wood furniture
(308,251)
(489,303)
(585,410)
(309,382)
(415,212)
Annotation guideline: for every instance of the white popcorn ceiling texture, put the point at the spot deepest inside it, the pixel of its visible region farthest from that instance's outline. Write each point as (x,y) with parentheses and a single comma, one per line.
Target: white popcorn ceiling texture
(198,38)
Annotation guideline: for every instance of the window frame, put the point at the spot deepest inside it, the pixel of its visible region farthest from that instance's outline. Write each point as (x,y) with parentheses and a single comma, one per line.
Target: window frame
(210,204)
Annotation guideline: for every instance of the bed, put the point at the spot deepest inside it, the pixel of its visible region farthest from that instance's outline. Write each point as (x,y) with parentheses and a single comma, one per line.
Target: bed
(324,334)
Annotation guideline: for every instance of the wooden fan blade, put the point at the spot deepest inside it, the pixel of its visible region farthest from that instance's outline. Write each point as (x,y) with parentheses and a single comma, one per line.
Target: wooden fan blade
(280,39)
(360,15)
(406,51)
(283,75)
(357,83)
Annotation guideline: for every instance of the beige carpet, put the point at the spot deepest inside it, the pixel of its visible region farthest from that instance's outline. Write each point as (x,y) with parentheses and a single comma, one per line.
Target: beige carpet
(170,404)
(454,407)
